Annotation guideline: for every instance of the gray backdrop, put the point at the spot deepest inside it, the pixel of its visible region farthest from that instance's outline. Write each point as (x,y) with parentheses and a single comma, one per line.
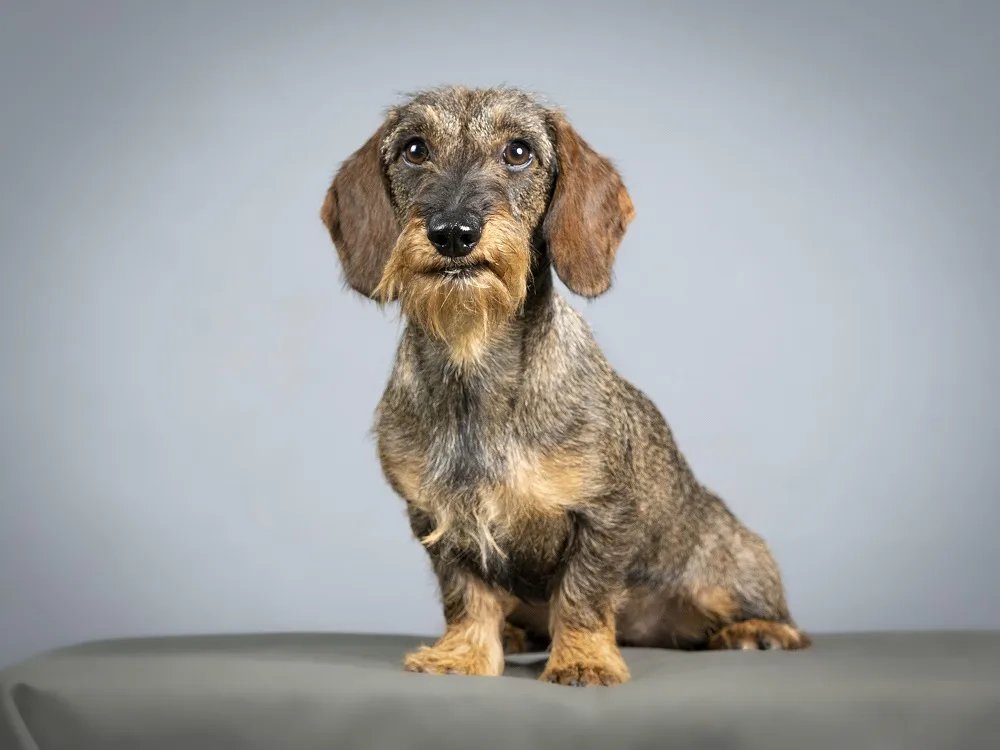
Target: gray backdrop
(809,292)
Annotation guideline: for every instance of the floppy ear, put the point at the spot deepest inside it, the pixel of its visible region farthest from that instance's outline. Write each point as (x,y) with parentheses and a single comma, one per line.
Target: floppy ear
(360,218)
(588,214)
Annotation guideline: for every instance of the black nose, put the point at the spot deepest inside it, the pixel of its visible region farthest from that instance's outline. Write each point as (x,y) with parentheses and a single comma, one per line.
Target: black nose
(454,236)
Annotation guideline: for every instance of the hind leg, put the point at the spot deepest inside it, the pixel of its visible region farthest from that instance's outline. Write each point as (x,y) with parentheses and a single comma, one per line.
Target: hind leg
(714,618)
(734,599)
(760,619)
(515,640)
(706,617)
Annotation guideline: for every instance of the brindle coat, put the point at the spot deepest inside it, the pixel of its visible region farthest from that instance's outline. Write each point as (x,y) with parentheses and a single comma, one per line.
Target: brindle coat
(548,491)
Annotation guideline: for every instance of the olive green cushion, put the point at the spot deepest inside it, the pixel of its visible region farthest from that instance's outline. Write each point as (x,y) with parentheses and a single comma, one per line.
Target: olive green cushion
(286,692)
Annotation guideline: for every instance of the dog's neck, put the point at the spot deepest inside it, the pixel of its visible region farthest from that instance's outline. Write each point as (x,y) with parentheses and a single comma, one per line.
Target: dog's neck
(471,409)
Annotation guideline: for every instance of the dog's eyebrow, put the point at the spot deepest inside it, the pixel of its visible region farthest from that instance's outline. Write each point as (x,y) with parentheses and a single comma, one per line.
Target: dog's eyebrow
(426,119)
(509,121)
(403,124)
(411,118)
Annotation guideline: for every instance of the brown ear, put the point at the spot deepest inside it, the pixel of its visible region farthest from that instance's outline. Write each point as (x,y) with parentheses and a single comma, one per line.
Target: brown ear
(360,218)
(588,214)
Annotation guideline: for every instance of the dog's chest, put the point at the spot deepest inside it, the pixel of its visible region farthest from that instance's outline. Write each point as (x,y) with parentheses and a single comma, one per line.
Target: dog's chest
(510,537)
(507,499)
(502,510)
(479,471)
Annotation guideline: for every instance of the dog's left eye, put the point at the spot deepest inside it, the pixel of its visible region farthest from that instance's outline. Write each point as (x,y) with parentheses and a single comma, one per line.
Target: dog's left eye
(517,154)
(415,151)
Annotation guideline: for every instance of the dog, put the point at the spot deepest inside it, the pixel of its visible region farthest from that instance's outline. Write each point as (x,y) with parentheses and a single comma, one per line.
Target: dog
(549,493)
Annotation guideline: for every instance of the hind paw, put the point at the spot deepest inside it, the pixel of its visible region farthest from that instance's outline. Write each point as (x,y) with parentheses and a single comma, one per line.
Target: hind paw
(759,635)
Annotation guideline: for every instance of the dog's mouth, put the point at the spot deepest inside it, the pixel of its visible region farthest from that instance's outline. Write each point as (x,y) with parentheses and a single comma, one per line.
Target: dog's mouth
(463,271)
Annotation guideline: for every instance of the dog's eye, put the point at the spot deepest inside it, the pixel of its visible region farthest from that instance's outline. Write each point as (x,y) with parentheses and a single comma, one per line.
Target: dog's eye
(517,154)
(415,151)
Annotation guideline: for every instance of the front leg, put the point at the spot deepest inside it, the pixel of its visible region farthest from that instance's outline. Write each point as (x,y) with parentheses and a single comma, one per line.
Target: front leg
(472,643)
(582,620)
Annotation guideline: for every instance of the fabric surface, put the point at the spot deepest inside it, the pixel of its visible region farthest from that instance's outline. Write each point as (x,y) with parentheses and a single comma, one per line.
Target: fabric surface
(291,692)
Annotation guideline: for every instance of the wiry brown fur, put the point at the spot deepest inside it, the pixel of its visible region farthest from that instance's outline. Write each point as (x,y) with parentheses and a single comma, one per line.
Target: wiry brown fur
(548,491)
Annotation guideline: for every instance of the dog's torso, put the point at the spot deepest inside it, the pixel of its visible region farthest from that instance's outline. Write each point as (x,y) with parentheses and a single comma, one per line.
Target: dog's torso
(492,461)
(499,465)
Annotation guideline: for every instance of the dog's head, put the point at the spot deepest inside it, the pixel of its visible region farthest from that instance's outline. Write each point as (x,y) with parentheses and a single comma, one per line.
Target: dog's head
(444,206)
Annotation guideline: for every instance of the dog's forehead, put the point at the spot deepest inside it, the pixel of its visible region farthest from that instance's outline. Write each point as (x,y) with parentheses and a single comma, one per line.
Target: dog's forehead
(478,117)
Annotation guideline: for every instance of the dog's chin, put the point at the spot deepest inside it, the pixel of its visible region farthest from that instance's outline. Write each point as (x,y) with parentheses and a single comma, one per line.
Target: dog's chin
(461,272)
(464,306)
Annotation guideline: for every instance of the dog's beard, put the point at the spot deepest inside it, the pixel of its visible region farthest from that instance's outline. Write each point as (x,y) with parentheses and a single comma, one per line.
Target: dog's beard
(463,302)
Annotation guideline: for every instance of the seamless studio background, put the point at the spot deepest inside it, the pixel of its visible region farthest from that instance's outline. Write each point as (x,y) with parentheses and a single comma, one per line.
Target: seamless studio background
(809,293)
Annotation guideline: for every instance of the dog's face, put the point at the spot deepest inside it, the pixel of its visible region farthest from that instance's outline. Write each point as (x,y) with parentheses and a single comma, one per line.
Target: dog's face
(444,206)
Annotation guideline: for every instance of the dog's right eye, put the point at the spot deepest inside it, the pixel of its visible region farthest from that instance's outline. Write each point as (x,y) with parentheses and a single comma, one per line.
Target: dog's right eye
(517,154)
(415,152)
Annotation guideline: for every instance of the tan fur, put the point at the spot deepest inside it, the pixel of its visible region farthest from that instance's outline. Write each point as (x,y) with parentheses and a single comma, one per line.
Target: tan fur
(405,474)
(464,313)
(473,644)
(550,484)
(537,485)
(715,603)
(515,640)
(753,635)
(585,656)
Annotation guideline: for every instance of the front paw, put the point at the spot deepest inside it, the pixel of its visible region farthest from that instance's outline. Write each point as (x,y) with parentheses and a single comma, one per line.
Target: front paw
(467,661)
(608,673)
